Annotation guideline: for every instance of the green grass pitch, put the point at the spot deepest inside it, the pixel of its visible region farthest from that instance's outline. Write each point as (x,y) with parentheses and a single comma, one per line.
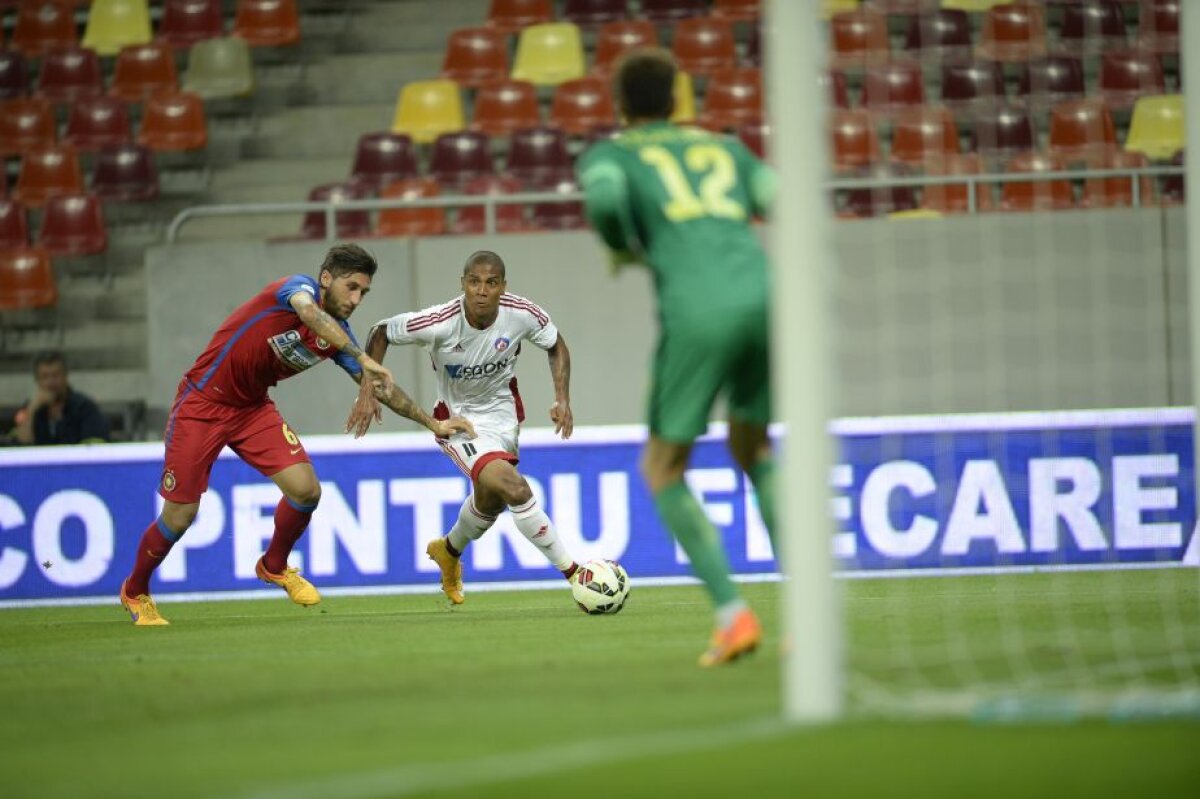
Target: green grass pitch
(518,694)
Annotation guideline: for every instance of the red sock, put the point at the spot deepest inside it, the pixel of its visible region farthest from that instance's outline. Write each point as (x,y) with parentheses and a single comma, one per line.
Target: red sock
(151,550)
(569,572)
(291,520)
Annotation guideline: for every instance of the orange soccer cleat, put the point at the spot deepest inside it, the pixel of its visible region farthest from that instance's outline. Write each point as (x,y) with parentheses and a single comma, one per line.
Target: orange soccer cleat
(740,637)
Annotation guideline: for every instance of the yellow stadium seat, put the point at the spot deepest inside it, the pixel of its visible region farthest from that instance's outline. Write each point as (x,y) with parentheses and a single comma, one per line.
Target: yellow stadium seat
(549,54)
(113,24)
(831,7)
(973,6)
(427,109)
(915,213)
(685,98)
(1157,128)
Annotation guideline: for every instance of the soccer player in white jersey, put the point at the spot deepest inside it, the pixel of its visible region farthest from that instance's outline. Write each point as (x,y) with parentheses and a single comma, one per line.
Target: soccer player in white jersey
(473,341)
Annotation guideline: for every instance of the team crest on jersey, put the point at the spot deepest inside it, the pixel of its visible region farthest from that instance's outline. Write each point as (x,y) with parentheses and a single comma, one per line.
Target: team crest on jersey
(322,344)
(501,344)
(168,480)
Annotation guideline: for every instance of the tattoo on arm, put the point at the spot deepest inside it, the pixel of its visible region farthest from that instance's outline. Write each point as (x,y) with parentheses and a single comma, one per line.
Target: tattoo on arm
(404,405)
(560,370)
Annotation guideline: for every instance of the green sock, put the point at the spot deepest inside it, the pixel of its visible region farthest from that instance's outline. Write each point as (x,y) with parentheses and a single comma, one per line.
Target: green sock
(684,517)
(762,475)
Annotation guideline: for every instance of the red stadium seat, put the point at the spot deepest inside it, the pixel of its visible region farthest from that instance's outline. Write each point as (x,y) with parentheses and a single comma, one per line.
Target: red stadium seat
(859,38)
(703,45)
(26,279)
(855,141)
(1158,29)
(24,124)
(593,13)
(924,135)
(1172,187)
(839,92)
(756,136)
(98,122)
(459,158)
(46,172)
(43,26)
(537,155)
(174,122)
(70,74)
(185,22)
(142,70)
(411,221)
(614,38)
(73,224)
(972,85)
(475,57)
(14,75)
(267,23)
(510,16)
(941,34)
(510,218)
(1081,130)
(955,198)
(125,173)
(1003,132)
(14,227)
(877,201)
(348,224)
(737,10)
(560,215)
(753,57)
(891,87)
(1013,32)
(1118,192)
(1042,195)
(383,158)
(1092,26)
(733,97)
(1126,75)
(505,106)
(582,104)
(1047,81)
(664,11)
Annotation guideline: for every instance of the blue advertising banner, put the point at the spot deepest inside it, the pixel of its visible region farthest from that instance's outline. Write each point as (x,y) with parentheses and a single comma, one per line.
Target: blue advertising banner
(911,495)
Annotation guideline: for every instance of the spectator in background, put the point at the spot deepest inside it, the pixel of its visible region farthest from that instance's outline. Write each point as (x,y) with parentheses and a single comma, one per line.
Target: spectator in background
(57,413)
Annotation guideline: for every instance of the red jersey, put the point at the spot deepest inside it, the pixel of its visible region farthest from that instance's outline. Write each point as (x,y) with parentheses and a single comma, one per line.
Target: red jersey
(261,343)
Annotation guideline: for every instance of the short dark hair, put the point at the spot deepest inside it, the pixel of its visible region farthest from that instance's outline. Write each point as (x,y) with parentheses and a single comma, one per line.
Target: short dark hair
(349,259)
(644,83)
(484,257)
(47,357)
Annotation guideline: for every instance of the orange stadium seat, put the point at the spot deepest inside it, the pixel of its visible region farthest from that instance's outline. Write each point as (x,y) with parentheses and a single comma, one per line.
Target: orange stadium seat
(537,156)
(549,54)
(891,87)
(510,218)
(98,122)
(14,75)
(592,13)
(614,38)
(1126,75)
(955,198)
(460,157)
(510,16)
(924,135)
(383,158)
(1042,195)
(737,10)
(733,97)
(412,221)
(1089,28)
(347,224)
(73,224)
(505,106)
(1117,192)
(26,279)
(142,70)
(855,141)
(125,173)
(14,227)
(583,104)
(1081,130)
(704,44)
(267,23)
(47,171)
(70,74)
(219,68)
(1013,32)
(427,109)
(1158,28)
(114,24)
(185,22)
(43,26)
(663,11)
(174,122)
(25,123)
(858,38)
(561,215)
(943,33)
(475,57)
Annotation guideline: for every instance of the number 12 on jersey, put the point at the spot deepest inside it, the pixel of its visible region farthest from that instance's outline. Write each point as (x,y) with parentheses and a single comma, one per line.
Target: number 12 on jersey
(719,175)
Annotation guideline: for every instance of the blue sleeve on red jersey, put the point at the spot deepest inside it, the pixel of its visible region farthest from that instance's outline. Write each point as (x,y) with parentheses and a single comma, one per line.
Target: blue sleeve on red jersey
(347,362)
(294,284)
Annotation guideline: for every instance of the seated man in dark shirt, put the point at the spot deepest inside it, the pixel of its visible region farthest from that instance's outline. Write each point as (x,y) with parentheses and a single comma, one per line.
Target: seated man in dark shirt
(58,414)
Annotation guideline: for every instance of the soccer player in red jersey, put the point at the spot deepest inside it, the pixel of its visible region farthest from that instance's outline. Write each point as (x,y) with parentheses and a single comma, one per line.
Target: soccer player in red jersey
(292,324)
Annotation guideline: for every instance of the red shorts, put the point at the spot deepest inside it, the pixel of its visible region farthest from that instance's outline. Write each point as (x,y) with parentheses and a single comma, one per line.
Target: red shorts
(198,428)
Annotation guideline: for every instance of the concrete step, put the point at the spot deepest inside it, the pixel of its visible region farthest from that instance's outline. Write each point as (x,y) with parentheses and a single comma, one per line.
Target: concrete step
(316,132)
(100,344)
(367,77)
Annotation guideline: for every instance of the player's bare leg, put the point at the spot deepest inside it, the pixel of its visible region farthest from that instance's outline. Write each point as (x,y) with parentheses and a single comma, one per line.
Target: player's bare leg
(154,545)
(301,493)
(501,484)
(750,446)
(737,630)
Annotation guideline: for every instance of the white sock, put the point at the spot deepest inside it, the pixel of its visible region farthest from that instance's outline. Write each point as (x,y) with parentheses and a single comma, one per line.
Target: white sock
(727,612)
(470,526)
(535,525)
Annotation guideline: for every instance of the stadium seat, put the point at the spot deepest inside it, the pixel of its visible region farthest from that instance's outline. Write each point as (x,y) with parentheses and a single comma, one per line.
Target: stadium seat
(560,215)
(684,93)
(14,75)
(941,34)
(1004,131)
(427,109)
(347,224)
(1172,186)
(475,57)
(972,6)
(174,122)
(614,38)
(125,173)
(549,54)
(510,16)
(1092,26)
(972,85)
(267,23)
(3,183)
(1126,75)
(47,171)
(505,106)
(668,11)
(753,56)
(537,155)
(704,44)
(855,141)
(859,38)
(923,135)
(582,104)
(73,224)
(831,7)
(955,198)
(26,279)
(756,136)
(594,13)
(114,24)
(904,7)
(733,96)
(25,123)
(1118,192)
(1041,195)
(1013,32)
(14,226)
(142,70)
(737,10)
(602,133)
(1044,82)
(98,122)
(1081,130)
(1158,28)
(839,91)
(43,26)
(219,68)
(458,158)
(510,218)
(69,74)
(383,158)
(185,22)
(878,201)
(1157,128)
(411,221)
(890,87)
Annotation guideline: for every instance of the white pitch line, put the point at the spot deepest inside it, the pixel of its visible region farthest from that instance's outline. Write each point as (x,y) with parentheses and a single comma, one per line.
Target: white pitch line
(457,774)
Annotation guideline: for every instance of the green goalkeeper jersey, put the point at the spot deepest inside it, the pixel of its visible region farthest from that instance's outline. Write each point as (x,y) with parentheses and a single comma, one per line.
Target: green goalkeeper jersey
(680,200)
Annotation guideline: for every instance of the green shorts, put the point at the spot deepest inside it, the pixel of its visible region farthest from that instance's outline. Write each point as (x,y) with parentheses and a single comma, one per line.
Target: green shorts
(697,362)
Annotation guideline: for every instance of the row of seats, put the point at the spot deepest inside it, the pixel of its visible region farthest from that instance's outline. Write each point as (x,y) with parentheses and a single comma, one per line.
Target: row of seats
(121,173)
(45,25)
(170,122)
(510,16)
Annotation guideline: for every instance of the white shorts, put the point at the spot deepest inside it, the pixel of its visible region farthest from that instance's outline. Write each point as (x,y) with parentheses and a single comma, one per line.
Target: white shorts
(472,454)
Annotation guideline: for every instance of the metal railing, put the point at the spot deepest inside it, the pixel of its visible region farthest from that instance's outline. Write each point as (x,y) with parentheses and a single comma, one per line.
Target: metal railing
(490,202)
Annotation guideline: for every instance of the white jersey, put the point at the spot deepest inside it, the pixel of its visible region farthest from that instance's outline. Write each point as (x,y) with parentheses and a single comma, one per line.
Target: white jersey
(475,368)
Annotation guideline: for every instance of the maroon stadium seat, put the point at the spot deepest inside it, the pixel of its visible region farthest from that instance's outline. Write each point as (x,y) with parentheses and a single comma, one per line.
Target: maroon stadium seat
(756,136)
(974,84)
(26,279)
(14,75)
(941,34)
(73,224)
(582,104)
(878,201)
(125,173)
(561,215)
(1042,195)
(660,11)
(70,74)
(1091,26)
(1003,132)
(475,57)
(1125,75)
(1172,187)
(1158,29)
(14,227)
(25,123)
(505,106)
(348,224)
(537,155)
(459,158)
(411,221)
(614,38)
(98,122)
(509,218)
(47,171)
(174,122)
(703,45)
(185,22)
(142,70)
(892,86)
(592,13)
(839,92)
(1047,81)
(737,10)
(383,158)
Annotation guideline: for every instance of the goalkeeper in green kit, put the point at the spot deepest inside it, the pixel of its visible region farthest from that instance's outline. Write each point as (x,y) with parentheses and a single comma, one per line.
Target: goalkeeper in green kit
(680,200)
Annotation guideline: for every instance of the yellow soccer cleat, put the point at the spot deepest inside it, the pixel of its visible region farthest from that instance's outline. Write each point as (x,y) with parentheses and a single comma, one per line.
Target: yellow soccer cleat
(741,637)
(299,590)
(452,585)
(142,609)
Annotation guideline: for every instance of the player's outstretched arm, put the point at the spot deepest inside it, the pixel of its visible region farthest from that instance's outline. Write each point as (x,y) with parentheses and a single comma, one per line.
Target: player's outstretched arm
(560,372)
(367,408)
(316,319)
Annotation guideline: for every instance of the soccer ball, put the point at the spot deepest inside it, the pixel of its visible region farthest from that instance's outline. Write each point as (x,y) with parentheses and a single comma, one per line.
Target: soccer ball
(601,586)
